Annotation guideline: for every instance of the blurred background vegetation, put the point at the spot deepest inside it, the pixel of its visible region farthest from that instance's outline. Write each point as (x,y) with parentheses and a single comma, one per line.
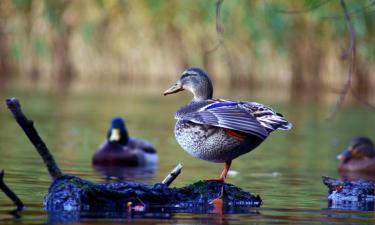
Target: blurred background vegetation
(279,44)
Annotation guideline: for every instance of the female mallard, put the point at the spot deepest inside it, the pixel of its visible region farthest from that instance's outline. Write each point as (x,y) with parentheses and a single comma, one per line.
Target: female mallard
(121,150)
(220,130)
(360,156)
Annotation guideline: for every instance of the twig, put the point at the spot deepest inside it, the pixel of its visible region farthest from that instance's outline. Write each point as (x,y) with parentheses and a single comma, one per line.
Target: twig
(172,175)
(350,52)
(312,8)
(28,127)
(11,195)
(363,101)
(219,29)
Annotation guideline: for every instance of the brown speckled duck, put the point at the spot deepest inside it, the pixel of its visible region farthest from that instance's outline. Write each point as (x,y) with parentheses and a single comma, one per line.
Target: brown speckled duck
(360,156)
(121,150)
(220,130)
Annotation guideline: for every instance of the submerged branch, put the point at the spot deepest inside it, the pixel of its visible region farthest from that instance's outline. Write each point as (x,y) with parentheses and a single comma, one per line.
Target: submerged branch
(30,131)
(11,195)
(348,54)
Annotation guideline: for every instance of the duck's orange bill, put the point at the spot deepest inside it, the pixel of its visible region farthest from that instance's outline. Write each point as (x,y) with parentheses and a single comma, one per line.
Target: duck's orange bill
(175,88)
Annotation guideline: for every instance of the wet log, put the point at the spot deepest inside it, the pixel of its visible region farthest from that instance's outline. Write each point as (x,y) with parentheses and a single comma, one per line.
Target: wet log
(353,195)
(71,193)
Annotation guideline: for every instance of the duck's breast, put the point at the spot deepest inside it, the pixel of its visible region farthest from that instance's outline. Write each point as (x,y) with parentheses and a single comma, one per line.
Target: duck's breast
(209,142)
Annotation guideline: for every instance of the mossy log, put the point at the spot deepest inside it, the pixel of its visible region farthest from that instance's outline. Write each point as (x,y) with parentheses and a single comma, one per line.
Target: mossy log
(354,195)
(71,193)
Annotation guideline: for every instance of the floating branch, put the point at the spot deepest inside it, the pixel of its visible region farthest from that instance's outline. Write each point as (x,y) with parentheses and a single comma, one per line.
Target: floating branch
(28,127)
(10,193)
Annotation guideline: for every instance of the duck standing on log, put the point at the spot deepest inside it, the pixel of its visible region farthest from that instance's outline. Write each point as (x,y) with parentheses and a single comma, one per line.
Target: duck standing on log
(359,156)
(220,130)
(121,150)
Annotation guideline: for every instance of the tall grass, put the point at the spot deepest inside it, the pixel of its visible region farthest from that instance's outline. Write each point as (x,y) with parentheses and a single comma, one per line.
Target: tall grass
(151,42)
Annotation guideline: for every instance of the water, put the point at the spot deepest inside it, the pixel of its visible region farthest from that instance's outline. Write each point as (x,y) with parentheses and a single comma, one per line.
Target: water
(285,170)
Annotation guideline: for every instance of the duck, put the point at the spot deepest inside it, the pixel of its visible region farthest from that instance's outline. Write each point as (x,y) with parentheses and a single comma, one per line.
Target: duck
(219,130)
(358,157)
(121,150)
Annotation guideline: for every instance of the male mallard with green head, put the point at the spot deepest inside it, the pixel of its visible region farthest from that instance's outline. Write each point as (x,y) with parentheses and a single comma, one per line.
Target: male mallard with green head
(219,130)
(121,150)
(360,156)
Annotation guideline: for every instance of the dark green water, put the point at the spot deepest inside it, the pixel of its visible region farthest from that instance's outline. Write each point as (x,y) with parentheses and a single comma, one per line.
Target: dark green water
(285,170)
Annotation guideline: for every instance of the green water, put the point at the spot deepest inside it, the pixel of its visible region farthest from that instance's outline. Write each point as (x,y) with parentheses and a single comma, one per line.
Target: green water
(285,170)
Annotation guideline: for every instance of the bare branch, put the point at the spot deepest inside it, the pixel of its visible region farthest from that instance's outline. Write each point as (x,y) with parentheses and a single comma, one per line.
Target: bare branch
(219,29)
(30,131)
(11,195)
(312,8)
(349,53)
(172,175)
(363,101)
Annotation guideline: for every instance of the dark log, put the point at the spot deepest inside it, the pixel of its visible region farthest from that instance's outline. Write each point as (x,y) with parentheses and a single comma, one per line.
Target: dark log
(74,194)
(353,195)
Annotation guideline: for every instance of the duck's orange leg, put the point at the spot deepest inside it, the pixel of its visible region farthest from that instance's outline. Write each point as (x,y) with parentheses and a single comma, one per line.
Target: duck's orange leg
(224,173)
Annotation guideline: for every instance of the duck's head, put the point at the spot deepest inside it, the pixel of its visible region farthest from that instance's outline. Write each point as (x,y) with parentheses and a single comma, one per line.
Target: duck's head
(196,81)
(117,132)
(360,147)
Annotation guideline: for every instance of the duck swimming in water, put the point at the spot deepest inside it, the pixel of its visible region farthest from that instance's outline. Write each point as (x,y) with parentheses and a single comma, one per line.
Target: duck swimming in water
(359,156)
(121,150)
(219,130)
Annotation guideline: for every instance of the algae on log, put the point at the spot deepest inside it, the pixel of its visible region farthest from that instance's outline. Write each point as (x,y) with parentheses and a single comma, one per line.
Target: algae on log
(71,193)
(353,195)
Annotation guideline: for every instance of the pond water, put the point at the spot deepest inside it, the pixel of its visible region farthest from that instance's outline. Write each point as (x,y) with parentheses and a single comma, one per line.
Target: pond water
(285,170)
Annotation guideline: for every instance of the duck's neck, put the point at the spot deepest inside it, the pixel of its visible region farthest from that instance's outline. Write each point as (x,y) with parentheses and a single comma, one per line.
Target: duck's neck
(202,92)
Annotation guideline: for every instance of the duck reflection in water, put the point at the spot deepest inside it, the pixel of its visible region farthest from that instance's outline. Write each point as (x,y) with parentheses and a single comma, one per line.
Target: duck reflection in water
(358,161)
(125,157)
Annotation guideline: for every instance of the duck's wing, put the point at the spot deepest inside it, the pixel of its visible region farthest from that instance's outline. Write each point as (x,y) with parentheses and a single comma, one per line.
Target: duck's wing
(266,116)
(227,114)
(248,117)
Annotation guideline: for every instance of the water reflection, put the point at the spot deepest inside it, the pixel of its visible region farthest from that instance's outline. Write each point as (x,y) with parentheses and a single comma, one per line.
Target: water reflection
(193,215)
(119,173)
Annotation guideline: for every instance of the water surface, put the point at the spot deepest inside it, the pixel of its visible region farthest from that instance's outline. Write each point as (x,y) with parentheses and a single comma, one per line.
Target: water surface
(285,170)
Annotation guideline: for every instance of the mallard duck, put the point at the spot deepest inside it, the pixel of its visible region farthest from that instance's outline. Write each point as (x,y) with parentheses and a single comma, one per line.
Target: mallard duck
(219,130)
(359,156)
(121,150)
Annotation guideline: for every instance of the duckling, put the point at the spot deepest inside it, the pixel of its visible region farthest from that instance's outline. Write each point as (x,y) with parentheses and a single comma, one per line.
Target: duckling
(121,150)
(359,156)
(219,130)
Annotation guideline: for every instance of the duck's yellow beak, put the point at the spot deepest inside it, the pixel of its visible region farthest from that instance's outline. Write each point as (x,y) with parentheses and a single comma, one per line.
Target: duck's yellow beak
(175,88)
(115,135)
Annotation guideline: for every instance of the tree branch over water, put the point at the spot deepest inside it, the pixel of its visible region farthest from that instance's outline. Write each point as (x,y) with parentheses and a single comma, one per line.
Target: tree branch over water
(29,129)
(348,54)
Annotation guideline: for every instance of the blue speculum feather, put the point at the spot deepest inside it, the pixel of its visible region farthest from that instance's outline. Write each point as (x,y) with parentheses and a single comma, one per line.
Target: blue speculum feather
(221,104)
